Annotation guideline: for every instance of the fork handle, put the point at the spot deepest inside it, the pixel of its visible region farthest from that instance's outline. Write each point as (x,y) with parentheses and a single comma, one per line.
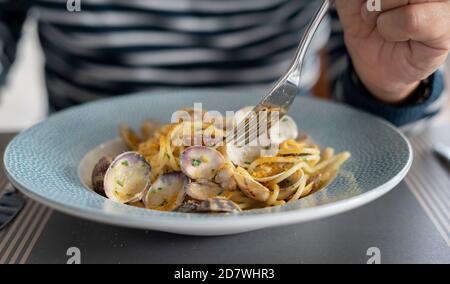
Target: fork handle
(294,70)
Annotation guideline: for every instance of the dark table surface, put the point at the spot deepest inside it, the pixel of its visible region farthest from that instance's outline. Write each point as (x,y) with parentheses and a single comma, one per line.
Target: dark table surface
(408,225)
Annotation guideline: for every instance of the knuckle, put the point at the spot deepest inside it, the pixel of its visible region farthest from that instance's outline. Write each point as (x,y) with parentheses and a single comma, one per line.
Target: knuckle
(412,19)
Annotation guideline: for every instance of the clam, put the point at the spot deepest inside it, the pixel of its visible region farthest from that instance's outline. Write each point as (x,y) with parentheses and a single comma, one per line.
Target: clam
(225,177)
(289,186)
(203,190)
(188,206)
(148,128)
(284,130)
(200,162)
(129,137)
(218,205)
(127,178)
(245,155)
(167,193)
(98,174)
(250,187)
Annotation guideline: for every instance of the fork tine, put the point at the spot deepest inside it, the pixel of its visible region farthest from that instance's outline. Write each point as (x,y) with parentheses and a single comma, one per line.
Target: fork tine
(257,127)
(242,130)
(283,93)
(263,131)
(247,128)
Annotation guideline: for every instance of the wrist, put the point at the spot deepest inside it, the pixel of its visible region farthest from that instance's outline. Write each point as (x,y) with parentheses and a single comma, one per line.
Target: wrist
(351,91)
(393,94)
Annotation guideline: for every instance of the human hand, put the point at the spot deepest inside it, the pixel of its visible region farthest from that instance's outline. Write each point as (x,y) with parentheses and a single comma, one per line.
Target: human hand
(393,50)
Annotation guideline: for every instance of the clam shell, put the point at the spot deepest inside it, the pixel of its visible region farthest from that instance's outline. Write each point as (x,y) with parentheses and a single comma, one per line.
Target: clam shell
(250,187)
(284,130)
(203,190)
(127,178)
(200,162)
(129,137)
(167,193)
(98,174)
(218,205)
(188,206)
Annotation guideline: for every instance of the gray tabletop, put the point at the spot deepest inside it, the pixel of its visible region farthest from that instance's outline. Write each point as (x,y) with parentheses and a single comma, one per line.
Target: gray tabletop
(408,225)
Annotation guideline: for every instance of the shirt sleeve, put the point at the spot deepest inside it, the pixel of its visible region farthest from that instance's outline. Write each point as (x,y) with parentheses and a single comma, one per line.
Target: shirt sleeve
(12,17)
(347,88)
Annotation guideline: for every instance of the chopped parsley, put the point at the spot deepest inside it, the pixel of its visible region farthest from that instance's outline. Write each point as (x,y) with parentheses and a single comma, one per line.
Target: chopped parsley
(164,202)
(284,119)
(120,183)
(247,163)
(196,162)
(125,163)
(167,156)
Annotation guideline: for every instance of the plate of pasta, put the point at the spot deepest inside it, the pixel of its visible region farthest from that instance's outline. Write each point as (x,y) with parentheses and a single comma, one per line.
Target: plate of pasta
(164,161)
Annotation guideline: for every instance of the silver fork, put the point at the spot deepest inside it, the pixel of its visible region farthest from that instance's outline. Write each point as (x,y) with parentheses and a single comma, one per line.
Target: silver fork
(283,93)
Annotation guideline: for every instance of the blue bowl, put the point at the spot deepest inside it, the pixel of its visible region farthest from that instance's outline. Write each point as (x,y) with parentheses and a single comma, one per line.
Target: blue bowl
(43,162)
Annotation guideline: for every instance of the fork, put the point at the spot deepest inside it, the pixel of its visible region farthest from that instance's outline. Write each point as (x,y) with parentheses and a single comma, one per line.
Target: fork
(283,93)
(11,203)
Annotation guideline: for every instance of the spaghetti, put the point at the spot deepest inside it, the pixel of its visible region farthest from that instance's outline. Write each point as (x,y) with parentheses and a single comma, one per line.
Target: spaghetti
(224,173)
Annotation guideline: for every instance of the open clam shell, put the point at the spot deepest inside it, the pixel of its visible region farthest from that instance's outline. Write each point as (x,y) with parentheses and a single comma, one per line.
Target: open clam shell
(127,178)
(250,187)
(243,156)
(203,190)
(98,174)
(167,193)
(284,130)
(129,137)
(200,162)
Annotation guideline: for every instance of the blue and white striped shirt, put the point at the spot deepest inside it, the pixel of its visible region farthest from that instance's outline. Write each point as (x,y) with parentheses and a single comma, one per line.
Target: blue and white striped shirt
(115,47)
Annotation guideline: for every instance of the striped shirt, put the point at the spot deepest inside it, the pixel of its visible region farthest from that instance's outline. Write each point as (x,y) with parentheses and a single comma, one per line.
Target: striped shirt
(115,47)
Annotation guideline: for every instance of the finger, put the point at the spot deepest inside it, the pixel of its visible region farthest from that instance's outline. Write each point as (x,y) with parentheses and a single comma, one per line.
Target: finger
(350,16)
(426,22)
(387,5)
(349,9)
(372,10)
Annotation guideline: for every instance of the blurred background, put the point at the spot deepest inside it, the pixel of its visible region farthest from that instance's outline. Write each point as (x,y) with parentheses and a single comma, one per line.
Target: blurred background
(23,102)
